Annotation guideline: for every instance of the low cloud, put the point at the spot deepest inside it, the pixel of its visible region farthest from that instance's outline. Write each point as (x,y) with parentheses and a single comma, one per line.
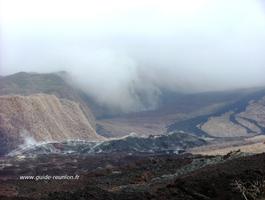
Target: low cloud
(124,54)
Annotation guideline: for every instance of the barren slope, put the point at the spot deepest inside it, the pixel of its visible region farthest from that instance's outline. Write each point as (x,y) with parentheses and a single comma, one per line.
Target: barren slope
(42,117)
(33,83)
(245,117)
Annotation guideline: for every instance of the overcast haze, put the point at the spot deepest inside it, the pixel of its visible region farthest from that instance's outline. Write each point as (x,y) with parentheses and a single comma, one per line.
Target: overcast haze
(118,49)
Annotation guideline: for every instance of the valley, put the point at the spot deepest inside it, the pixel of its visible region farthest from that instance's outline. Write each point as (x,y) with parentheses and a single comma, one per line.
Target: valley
(179,150)
(132,100)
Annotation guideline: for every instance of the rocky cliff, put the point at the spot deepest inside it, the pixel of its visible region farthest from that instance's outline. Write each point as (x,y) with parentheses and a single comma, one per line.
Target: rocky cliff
(52,83)
(41,117)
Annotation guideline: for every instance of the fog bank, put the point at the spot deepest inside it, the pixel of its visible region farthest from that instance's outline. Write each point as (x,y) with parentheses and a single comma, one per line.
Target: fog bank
(123,53)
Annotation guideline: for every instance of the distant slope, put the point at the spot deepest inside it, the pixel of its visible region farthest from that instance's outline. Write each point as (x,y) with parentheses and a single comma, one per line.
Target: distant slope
(244,117)
(173,108)
(41,117)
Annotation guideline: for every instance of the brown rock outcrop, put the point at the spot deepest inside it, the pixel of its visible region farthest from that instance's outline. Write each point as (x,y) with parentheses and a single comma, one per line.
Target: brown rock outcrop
(42,117)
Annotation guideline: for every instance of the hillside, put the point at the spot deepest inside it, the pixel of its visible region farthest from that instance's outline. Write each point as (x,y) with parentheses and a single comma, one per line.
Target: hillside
(51,83)
(244,117)
(39,118)
(232,113)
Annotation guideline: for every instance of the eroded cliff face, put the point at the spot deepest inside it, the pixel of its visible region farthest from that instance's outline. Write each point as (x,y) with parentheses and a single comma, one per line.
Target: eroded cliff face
(42,117)
(53,84)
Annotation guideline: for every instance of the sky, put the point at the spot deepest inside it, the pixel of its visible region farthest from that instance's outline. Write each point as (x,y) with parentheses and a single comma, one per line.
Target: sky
(121,50)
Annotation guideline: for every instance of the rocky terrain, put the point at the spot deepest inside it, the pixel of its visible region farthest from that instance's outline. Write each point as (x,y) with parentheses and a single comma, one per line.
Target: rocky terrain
(39,118)
(133,176)
(171,143)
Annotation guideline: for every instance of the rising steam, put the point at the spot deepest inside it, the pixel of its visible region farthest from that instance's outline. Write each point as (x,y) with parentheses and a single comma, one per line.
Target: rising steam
(124,53)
